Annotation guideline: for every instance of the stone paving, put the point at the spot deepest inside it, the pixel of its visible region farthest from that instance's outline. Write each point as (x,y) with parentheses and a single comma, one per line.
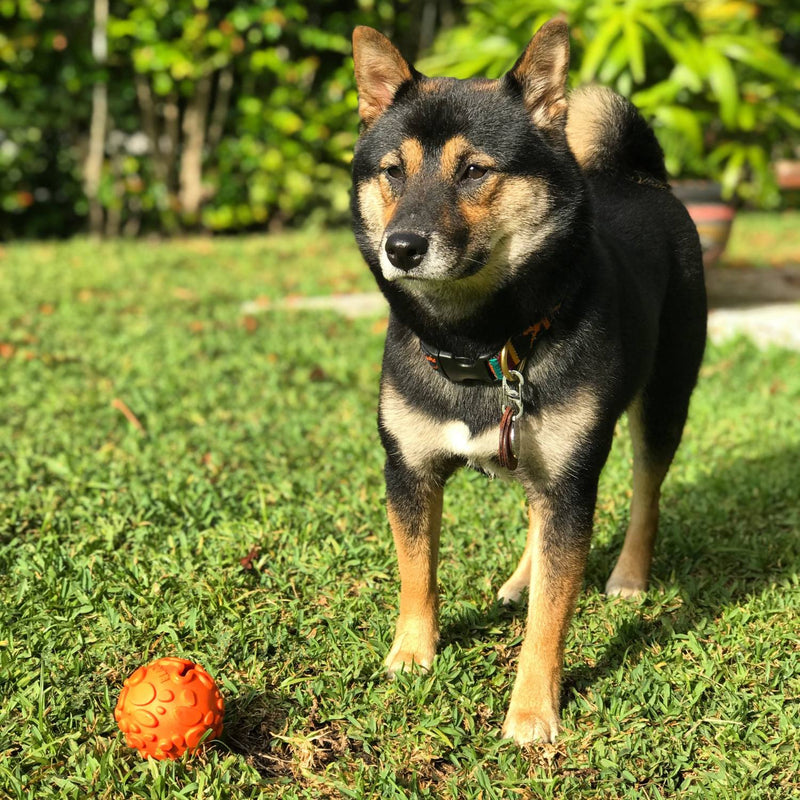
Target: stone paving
(763,304)
(777,324)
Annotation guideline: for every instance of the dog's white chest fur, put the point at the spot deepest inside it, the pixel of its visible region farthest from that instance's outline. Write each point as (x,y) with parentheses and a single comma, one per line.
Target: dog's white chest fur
(549,438)
(479,451)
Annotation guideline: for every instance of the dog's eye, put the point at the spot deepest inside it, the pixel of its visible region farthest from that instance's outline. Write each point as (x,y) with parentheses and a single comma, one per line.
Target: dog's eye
(395,172)
(474,172)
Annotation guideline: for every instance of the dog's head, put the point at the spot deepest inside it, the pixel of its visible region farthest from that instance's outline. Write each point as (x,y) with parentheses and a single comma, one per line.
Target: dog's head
(460,184)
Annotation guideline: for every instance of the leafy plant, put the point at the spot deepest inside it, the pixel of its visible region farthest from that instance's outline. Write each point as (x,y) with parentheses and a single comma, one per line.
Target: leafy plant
(42,47)
(710,75)
(222,115)
(272,105)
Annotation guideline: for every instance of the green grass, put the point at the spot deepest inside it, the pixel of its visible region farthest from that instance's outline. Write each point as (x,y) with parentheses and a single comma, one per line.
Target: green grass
(119,546)
(764,239)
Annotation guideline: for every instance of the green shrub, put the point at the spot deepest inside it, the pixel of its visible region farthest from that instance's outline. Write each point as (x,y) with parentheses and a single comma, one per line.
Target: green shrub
(709,75)
(279,124)
(283,152)
(271,81)
(45,75)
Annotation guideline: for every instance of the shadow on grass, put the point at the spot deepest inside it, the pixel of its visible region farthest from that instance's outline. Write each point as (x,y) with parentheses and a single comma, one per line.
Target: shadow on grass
(723,540)
(256,727)
(746,285)
(252,719)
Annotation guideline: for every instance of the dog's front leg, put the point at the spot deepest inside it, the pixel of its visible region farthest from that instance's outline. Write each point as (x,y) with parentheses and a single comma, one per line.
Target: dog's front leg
(414,504)
(558,547)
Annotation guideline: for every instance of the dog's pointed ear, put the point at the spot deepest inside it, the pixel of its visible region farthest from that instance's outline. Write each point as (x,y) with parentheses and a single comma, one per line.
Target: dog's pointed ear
(541,75)
(380,72)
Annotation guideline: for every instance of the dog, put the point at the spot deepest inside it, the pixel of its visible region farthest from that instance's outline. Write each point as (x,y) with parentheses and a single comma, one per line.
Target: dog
(542,280)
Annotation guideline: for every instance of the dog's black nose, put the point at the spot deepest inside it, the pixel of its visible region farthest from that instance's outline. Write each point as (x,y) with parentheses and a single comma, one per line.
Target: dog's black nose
(405,249)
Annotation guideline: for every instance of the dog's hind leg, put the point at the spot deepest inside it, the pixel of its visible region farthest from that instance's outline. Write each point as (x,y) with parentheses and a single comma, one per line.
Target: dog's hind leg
(657,416)
(629,578)
(512,589)
(656,419)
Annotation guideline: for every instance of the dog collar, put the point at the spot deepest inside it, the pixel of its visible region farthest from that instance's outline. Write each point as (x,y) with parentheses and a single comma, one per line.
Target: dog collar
(490,368)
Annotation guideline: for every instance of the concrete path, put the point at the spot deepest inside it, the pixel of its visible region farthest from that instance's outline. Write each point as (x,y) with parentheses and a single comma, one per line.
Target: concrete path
(763,304)
(777,324)
(362,304)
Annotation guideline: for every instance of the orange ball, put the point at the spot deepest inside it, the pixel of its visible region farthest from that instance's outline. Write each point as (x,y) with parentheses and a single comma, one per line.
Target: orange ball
(165,708)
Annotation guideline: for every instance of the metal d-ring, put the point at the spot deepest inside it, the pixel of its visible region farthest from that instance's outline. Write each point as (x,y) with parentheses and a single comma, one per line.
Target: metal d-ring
(511,375)
(504,363)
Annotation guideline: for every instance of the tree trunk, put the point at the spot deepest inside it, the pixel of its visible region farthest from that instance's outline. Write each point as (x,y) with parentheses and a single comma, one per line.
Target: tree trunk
(93,169)
(172,134)
(194,136)
(219,112)
(150,124)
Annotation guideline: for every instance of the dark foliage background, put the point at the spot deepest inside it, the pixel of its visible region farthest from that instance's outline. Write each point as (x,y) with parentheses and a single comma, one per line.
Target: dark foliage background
(263,86)
(133,116)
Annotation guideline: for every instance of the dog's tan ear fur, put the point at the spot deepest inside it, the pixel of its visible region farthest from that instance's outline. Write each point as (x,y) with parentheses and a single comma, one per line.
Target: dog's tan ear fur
(380,72)
(541,73)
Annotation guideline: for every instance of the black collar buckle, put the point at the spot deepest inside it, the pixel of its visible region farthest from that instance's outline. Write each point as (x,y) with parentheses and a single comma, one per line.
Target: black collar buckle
(491,368)
(457,369)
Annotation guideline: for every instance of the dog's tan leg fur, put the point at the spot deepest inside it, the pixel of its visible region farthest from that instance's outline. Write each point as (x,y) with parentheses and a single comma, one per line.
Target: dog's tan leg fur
(630,575)
(555,580)
(520,579)
(417,630)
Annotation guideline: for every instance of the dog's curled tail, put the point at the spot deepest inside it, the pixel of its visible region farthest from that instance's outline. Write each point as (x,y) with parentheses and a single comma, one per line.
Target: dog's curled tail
(608,135)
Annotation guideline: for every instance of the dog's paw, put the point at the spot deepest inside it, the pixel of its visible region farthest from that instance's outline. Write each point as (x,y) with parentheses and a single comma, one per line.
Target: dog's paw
(626,587)
(409,652)
(525,727)
(511,591)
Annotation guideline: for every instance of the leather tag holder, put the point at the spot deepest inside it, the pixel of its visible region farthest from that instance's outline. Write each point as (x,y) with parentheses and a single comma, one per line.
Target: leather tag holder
(508,453)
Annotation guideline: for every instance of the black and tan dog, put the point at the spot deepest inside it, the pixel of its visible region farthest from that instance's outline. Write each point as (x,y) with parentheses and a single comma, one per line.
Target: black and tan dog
(519,233)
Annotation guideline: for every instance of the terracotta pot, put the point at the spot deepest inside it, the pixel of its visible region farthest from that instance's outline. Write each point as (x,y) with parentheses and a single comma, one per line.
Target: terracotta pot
(712,215)
(787,173)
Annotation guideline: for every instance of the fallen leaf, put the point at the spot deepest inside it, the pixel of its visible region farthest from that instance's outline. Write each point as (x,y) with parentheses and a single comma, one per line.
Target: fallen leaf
(250,323)
(122,407)
(247,561)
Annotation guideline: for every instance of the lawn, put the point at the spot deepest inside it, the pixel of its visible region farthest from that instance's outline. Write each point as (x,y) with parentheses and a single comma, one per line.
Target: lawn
(765,239)
(178,477)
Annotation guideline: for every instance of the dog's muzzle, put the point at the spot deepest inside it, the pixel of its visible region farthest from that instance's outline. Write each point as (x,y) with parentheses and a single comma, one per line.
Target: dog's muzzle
(405,249)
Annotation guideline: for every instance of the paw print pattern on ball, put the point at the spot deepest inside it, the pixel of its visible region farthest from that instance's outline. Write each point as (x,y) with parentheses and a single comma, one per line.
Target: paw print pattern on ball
(166,708)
